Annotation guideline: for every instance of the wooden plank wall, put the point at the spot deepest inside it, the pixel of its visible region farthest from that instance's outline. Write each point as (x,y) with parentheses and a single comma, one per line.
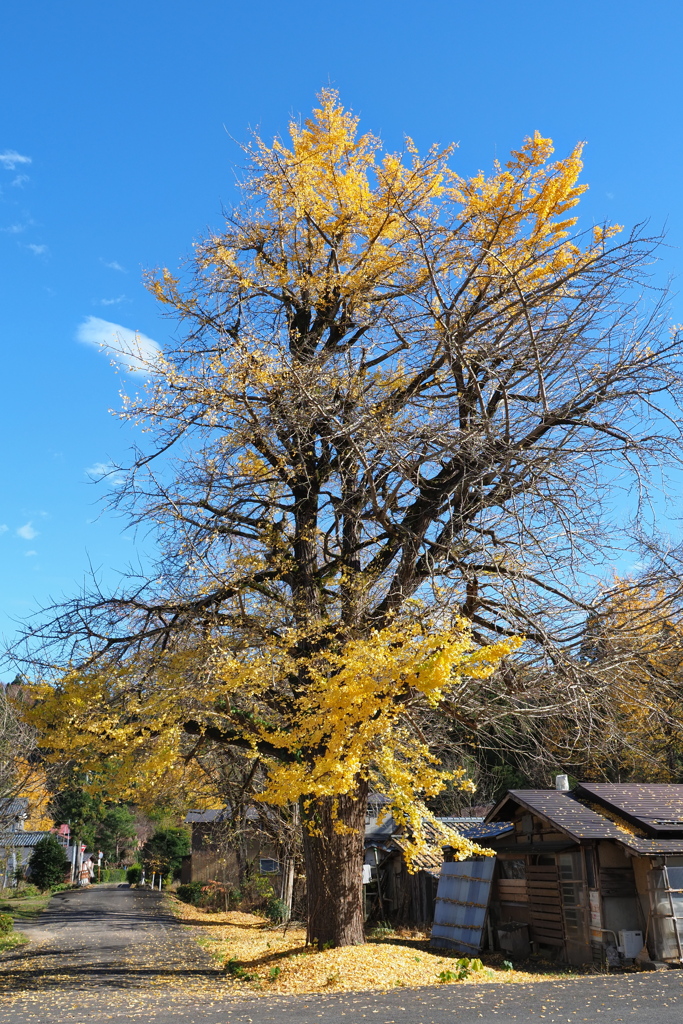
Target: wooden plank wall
(512,890)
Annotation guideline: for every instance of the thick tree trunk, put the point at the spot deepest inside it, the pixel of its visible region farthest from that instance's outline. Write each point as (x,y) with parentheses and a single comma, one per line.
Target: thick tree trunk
(334,870)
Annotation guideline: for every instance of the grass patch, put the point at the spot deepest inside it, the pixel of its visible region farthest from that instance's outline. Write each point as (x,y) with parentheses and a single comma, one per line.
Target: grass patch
(23,908)
(11,941)
(261,957)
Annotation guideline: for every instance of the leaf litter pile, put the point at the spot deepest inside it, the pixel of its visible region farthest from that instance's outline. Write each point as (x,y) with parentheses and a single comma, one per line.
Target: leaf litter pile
(266,959)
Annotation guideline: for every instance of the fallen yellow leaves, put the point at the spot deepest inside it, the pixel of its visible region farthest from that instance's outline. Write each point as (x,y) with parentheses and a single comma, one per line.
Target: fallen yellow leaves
(269,959)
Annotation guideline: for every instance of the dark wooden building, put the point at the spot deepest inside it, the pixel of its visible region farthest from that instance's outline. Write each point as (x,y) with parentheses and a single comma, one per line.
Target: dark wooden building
(392,893)
(591,875)
(214,855)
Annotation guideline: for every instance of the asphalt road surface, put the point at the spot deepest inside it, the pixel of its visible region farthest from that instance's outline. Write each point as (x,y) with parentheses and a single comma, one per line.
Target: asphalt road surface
(116,954)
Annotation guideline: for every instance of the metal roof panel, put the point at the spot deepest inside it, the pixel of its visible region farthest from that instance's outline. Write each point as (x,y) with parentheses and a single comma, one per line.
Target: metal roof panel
(570,816)
(657,807)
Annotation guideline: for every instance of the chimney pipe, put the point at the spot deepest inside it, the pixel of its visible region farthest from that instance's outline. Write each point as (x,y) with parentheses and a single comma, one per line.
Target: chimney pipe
(562,783)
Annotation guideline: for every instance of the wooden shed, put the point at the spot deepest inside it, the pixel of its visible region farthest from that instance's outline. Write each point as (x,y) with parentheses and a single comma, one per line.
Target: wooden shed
(592,875)
(394,894)
(215,858)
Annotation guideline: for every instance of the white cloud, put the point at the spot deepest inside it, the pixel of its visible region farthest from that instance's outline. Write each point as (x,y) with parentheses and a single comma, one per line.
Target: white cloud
(111,302)
(3,528)
(29,554)
(101,470)
(14,229)
(114,266)
(20,180)
(37,250)
(27,532)
(134,352)
(10,158)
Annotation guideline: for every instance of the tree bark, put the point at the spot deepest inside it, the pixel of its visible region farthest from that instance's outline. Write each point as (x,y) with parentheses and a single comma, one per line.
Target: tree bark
(334,869)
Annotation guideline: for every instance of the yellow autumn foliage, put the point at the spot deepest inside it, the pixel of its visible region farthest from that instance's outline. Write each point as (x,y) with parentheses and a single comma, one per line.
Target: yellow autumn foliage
(638,643)
(351,722)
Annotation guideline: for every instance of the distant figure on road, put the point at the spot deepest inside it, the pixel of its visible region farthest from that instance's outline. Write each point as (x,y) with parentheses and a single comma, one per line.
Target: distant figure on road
(87,872)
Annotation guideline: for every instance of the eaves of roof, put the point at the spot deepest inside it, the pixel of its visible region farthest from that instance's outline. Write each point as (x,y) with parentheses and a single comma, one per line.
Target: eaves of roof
(565,813)
(21,840)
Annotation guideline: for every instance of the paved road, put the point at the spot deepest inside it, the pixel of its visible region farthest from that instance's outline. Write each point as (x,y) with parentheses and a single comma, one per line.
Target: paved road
(110,954)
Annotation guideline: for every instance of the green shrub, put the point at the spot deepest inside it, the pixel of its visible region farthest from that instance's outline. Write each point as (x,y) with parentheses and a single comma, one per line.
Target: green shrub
(165,850)
(134,874)
(233,967)
(463,968)
(381,930)
(6,924)
(114,875)
(48,863)
(190,893)
(276,910)
(60,886)
(507,965)
(218,896)
(28,890)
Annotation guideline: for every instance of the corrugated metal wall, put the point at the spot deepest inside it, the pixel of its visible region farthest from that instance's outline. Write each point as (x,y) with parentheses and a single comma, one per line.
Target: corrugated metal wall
(462,901)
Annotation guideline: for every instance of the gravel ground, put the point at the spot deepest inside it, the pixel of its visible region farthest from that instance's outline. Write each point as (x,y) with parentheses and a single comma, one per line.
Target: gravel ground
(116,954)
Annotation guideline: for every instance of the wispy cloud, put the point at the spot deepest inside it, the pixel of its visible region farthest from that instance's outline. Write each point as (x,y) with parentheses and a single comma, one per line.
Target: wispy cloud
(10,159)
(113,265)
(29,554)
(37,250)
(105,470)
(133,351)
(4,527)
(14,229)
(20,180)
(111,302)
(27,532)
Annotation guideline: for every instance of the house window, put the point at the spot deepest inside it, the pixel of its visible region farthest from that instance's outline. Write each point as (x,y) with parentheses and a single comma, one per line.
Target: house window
(268,866)
(514,869)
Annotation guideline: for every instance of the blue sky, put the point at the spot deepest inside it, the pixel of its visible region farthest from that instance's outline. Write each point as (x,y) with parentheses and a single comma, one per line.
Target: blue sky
(116,153)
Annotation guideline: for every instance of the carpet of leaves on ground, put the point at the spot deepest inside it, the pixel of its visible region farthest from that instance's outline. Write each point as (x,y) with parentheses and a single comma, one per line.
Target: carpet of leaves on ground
(268,958)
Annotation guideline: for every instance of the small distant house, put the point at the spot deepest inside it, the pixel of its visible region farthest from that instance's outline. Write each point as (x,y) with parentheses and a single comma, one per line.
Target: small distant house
(16,844)
(13,814)
(214,858)
(594,875)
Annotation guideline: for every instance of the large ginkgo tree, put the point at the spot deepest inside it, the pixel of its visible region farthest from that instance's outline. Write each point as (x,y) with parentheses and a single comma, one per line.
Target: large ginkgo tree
(372,462)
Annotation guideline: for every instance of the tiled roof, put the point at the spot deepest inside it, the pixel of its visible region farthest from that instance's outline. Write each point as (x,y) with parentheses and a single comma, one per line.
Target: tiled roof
(12,808)
(564,811)
(14,840)
(431,860)
(657,808)
(215,814)
(652,847)
(484,830)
